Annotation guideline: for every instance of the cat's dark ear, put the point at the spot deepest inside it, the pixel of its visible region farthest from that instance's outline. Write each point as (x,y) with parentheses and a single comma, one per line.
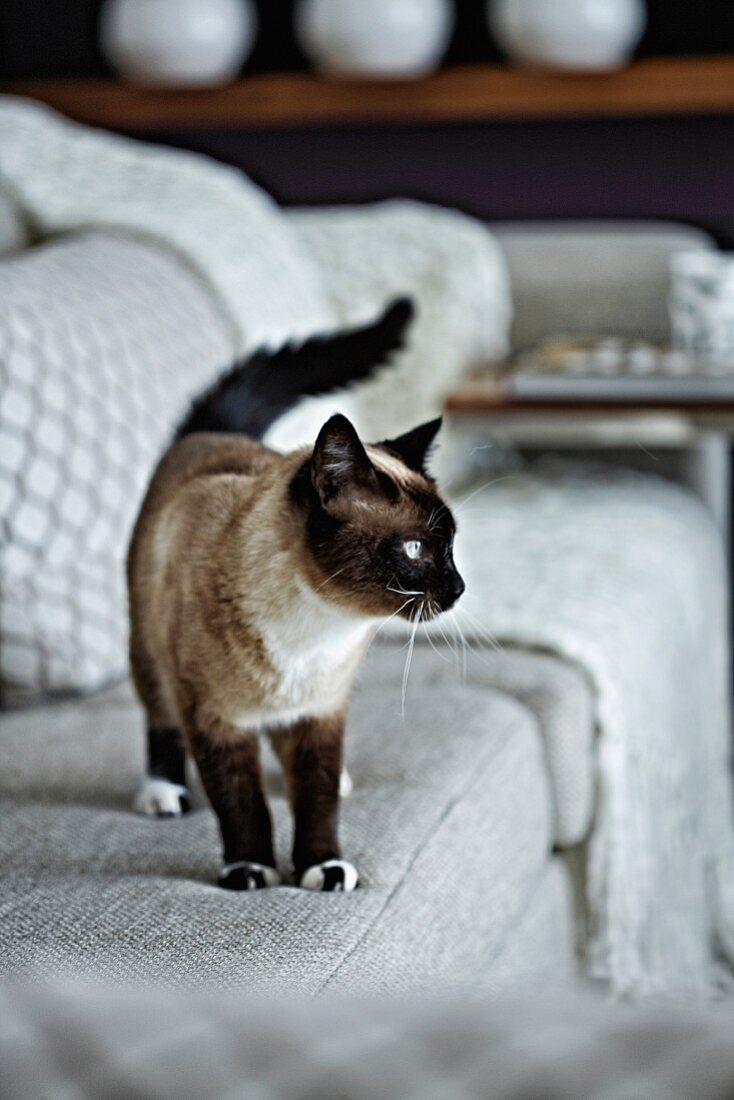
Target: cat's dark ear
(340,465)
(414,446)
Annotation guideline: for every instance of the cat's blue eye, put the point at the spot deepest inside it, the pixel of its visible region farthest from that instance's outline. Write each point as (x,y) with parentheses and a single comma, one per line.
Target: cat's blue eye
(413,548)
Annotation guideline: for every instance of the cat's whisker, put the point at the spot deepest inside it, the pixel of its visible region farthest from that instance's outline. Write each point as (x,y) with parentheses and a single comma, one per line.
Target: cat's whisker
(409,658)
(467,646)
(487,640)
(436,516)
(391,617)
(458,662)
(487,485)
(431,642)
(331,578)
(446,639)
(477,654)
(449,644)
(482,631)
(483,637)
(465,643)
(462,642)
(404,591)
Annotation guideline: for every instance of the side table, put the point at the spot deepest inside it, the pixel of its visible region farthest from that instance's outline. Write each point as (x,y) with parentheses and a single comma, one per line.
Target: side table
(701,431)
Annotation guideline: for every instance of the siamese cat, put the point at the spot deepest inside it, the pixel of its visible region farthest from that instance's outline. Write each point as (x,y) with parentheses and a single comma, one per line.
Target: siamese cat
(256,581)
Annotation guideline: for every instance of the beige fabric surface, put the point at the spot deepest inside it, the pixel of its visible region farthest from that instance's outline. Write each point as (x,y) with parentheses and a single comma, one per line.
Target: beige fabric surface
(57,1042)
(450,825)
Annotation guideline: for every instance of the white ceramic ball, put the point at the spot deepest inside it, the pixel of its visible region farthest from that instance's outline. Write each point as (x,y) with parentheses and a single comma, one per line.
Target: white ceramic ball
(568,34)
(178,42)
(375,38)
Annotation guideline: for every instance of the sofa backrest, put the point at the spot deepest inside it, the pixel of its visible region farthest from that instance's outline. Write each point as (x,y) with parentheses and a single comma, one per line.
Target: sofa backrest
(581,278)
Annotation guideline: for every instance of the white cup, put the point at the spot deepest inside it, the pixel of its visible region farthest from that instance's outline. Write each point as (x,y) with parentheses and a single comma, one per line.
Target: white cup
(702,306)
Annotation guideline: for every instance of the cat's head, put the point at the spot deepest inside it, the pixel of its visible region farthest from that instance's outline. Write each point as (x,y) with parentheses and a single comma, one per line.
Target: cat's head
(379,537)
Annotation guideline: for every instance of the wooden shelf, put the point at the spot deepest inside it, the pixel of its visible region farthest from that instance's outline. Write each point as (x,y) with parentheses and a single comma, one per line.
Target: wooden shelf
(485,395)
(661,86)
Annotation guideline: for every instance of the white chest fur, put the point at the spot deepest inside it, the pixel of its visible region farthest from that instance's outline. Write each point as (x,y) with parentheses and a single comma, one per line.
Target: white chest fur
(311,644)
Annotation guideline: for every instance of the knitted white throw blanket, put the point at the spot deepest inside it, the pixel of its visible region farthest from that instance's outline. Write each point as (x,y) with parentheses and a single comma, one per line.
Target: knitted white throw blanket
(270,274)
(67,177)
(625,575)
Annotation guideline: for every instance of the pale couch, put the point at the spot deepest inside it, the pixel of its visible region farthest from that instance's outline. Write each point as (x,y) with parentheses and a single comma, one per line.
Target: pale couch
(459,822)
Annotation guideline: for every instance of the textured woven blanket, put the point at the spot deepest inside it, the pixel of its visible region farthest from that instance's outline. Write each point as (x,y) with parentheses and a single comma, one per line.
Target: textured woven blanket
(625,576)
(64,1043)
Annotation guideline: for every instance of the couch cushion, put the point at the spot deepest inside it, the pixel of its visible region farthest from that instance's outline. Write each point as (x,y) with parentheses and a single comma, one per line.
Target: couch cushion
(592,277)
(543,951)
(450,825)
(103,340)
(561,696)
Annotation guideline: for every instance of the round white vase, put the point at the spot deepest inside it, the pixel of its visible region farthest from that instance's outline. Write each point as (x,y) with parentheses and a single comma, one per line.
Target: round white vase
(178,42)
(375,38)
(568,34)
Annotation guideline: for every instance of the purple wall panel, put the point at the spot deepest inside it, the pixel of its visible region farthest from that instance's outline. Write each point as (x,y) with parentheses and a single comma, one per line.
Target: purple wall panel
(681,168)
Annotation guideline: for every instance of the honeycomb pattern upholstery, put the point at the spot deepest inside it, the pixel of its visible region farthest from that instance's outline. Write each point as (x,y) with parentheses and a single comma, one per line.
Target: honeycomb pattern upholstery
(103,339)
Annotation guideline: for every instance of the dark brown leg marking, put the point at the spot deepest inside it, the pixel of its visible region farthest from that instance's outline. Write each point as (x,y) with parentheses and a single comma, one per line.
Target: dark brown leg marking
(311,755)
(231,774)
(166,756)
(163,792)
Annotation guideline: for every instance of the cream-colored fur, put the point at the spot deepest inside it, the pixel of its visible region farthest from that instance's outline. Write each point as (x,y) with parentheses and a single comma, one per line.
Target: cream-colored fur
(229,616)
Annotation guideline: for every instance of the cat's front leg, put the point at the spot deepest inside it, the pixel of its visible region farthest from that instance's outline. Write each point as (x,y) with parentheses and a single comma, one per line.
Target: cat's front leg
(229,765)
(311,754)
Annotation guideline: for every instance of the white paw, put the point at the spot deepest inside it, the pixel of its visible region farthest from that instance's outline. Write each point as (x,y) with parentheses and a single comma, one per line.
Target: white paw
(332,876)
(159,798)
(245,875)
(345,784)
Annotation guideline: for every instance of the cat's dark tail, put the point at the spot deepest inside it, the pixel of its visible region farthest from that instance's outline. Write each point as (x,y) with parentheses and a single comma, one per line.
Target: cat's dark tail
(254,393)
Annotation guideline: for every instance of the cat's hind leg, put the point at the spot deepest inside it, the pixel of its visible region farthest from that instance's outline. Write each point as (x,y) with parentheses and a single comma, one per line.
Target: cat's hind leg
(163,791)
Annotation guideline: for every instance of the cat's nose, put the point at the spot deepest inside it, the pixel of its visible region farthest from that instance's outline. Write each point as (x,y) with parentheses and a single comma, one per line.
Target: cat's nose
(458,587)
(454,588)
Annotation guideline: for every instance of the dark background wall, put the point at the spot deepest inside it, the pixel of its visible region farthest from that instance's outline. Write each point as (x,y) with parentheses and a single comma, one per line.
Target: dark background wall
(676,168)
(58,37)
(680,168)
